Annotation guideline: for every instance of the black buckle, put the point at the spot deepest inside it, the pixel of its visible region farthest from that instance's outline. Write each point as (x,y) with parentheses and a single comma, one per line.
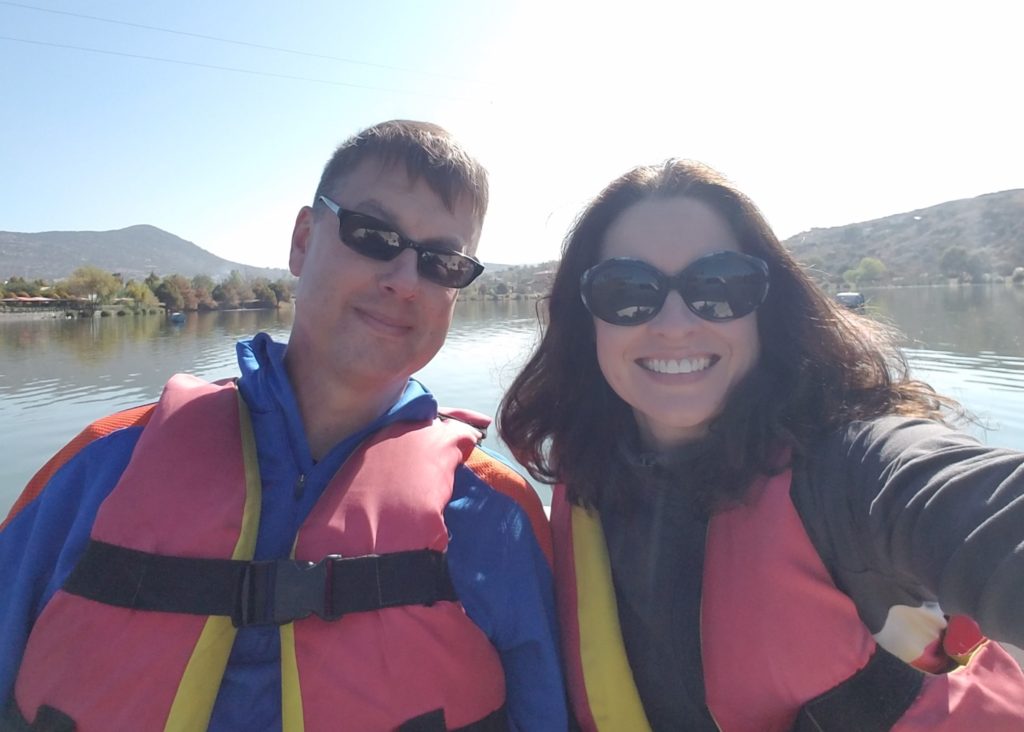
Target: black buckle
(280,591)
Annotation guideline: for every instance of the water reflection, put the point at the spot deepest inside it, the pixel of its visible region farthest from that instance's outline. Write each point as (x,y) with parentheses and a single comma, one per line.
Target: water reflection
(56,376)
(71,360)
(967,342)
(487,344)
(969,319)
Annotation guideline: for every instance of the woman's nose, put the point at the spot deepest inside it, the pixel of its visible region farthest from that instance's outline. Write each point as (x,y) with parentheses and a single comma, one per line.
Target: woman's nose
(674,317)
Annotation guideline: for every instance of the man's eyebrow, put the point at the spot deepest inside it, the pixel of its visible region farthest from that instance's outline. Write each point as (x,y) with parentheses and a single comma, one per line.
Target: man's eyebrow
(373,207)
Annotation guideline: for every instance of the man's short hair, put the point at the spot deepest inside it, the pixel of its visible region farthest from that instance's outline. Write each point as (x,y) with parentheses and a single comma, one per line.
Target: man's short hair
(425,150)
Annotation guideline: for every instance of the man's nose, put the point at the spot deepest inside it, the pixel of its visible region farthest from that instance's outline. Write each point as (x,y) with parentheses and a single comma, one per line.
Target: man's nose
(400,275)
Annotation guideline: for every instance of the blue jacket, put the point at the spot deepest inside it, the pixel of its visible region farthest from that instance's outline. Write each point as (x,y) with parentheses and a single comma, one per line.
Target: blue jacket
(498,568)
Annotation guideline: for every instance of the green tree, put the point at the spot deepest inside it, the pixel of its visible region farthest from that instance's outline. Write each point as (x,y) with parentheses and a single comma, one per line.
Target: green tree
(956,261)
(202,289)
(283,288)
(140,293)
(170,295)
(977,267)
(953,262)
(175,292)
(233,291)
(263,293)
(870,270)
(92,283)
(21,287)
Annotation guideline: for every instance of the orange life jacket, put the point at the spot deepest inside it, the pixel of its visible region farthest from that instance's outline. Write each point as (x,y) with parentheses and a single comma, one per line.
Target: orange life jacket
(775,631)
(192,490)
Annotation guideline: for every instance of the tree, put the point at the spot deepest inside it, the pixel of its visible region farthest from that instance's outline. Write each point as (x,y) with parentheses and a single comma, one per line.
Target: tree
(872,270)
(175,292)
(282,288)
(92,283)
(263,293)
(21,287)
(233,291)
(953,262)
(869,271)
(170,295)
(958,262)
(140,293)
(202,289)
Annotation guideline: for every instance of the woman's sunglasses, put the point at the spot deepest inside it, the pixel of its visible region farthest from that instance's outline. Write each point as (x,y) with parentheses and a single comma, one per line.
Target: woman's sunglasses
(377,240)
(717,287)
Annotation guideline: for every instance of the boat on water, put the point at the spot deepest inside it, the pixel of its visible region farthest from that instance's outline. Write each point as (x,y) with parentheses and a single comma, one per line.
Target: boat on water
(851,300)
(177,318)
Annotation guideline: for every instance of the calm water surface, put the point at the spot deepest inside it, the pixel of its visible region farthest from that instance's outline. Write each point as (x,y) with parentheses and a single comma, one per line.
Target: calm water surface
(58,375)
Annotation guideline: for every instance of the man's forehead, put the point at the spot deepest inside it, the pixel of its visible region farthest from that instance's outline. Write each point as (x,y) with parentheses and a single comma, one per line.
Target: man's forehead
(387,190)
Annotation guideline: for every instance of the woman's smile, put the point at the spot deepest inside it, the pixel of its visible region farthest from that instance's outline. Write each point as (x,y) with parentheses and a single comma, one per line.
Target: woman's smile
(677,366)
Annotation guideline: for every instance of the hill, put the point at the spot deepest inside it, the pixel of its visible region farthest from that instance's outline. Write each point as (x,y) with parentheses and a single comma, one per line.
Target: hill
(989,230)
(914,247)
(133,252)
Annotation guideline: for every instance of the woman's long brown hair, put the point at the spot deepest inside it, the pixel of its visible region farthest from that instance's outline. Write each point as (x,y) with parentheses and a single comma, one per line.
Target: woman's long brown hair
(820,366)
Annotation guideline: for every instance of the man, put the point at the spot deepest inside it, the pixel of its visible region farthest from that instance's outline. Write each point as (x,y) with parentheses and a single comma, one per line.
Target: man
(310,547)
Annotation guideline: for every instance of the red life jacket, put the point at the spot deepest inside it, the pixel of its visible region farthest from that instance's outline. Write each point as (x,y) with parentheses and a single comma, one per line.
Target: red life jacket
(192,489)
(775,631)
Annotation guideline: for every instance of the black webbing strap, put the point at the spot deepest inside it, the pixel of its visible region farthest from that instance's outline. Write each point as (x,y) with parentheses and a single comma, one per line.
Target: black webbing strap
(496,721)
(47,719)
(872,700)
(260,593)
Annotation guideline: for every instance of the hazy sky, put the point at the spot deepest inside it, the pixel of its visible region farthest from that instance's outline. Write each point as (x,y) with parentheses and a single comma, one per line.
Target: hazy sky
(825,113)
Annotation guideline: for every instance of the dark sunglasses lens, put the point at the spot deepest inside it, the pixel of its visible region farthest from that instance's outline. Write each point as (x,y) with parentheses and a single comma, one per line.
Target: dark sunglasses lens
(724,286)
(370,238)
(624,293)
(447,268)
(375,240)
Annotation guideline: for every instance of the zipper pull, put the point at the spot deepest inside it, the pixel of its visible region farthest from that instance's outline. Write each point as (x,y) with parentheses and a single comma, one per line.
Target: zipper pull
(300,487)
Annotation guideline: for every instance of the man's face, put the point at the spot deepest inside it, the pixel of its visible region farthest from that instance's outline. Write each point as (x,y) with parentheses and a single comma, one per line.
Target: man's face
(369,324)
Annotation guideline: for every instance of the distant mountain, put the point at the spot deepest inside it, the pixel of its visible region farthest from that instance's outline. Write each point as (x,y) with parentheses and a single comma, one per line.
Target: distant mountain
(990,228)
(133,252)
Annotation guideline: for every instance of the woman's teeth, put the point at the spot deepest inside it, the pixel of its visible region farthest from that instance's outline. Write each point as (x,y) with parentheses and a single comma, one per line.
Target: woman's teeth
(676,366)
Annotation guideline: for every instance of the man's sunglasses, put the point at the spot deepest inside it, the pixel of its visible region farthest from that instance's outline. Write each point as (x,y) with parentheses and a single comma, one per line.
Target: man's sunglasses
(717,287)
(377,240)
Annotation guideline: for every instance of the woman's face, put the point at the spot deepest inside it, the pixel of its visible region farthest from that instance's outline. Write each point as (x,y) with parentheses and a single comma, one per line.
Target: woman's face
(676,370)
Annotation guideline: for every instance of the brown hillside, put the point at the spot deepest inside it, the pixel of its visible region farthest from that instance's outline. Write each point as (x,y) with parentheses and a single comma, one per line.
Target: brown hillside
(911,245)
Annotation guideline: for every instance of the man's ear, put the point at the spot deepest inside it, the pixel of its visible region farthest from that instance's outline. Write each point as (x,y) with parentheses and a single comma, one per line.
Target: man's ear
(302,235)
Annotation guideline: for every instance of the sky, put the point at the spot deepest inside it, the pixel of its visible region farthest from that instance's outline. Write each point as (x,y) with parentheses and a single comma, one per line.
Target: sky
(212,120)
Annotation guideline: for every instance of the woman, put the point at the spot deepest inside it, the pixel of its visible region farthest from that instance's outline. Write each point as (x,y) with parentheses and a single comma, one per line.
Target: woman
(758,513)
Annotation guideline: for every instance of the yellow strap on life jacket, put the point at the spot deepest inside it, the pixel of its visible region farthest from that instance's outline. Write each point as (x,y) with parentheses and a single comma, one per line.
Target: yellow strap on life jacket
(197,692)
(612,696)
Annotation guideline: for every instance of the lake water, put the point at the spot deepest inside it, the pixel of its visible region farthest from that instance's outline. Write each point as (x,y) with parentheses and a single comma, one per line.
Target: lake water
(58,375)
